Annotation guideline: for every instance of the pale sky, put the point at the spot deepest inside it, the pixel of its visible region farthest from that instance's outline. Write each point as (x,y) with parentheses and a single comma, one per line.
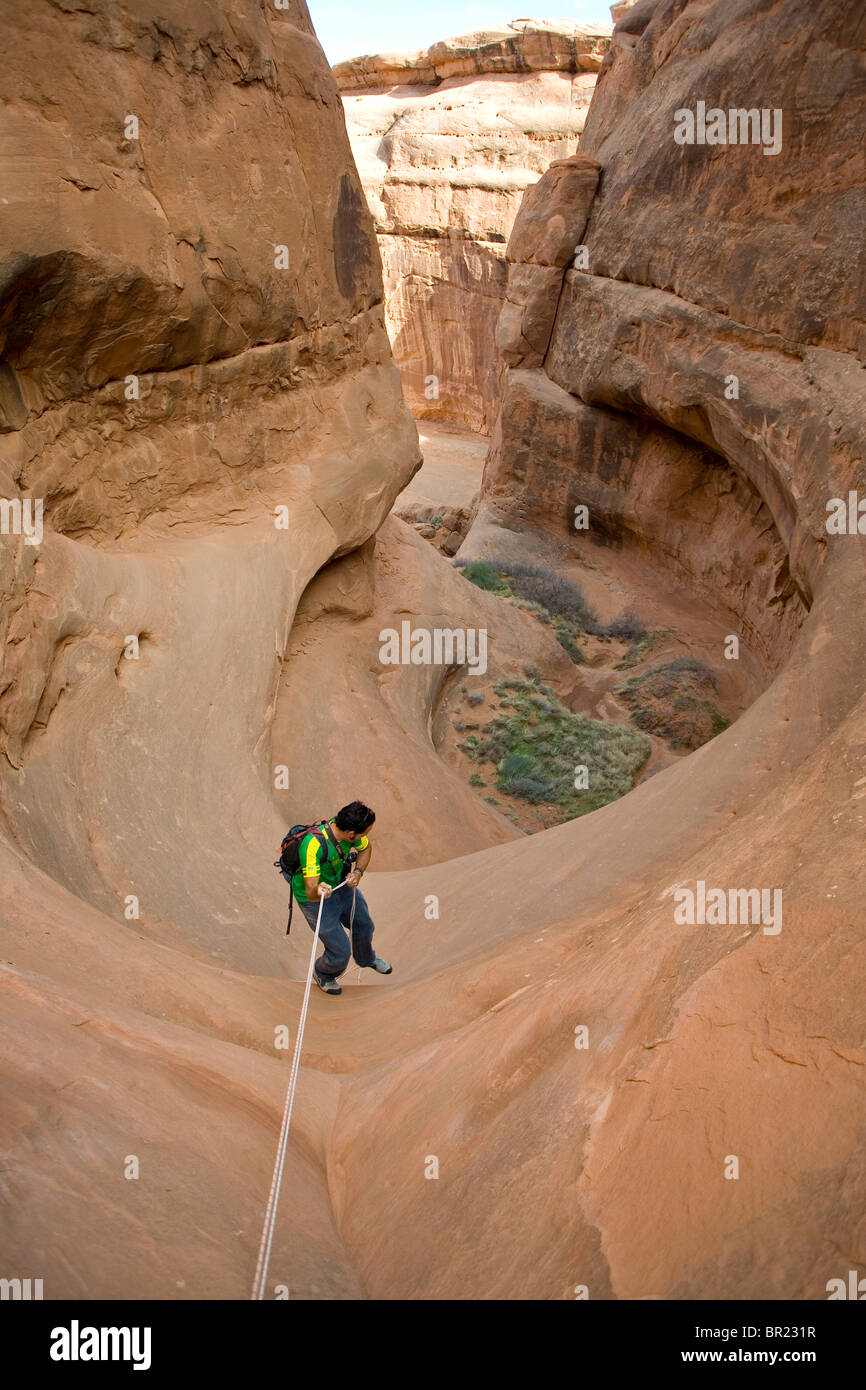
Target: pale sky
(348,28)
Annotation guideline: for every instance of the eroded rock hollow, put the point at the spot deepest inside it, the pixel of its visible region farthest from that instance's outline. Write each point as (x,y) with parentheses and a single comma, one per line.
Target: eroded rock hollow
(197,383)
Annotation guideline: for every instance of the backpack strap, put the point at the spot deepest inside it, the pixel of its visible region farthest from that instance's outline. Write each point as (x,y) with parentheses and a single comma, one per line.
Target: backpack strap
(345,859)
(323,841)
(319,830)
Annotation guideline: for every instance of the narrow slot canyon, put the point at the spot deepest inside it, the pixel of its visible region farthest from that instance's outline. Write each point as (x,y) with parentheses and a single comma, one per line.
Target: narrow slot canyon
(433,430)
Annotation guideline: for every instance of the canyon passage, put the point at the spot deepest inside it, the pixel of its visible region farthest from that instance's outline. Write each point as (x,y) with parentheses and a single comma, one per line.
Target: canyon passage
(599,410)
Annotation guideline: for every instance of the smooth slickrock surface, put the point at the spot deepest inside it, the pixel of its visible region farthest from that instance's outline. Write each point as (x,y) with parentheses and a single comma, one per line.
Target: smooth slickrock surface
(446,143)
(156,1037)
(704,264)
(165,384)
(376,738)
(153,262)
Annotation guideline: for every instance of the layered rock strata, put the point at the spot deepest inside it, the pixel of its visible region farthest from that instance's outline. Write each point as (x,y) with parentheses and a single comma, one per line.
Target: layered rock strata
(446,142)
(196,385)
(706,1041)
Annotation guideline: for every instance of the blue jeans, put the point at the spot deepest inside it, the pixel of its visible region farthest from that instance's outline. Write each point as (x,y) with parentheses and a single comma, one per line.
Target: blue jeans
(336,917)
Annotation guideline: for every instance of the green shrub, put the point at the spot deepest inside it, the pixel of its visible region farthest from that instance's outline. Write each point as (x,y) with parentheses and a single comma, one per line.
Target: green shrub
(539,584)
(538,743)
(483,576)
(567,634)
(535,589)
(514,765)
(534,789)
(639,650)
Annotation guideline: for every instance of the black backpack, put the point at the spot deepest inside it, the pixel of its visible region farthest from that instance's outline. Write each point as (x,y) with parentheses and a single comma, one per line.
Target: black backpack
(289,861)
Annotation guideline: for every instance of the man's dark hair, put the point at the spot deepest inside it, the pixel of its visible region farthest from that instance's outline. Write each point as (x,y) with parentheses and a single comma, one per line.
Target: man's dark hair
(355,817)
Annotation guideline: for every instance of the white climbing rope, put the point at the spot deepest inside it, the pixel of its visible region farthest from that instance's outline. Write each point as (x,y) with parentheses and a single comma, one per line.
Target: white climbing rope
(261,1275)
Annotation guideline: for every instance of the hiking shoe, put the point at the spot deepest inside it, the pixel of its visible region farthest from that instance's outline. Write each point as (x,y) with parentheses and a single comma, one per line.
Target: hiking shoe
(327,983)
(377,963)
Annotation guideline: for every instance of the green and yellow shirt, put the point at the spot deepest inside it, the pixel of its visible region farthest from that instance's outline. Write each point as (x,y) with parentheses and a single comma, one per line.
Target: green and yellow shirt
(330,868)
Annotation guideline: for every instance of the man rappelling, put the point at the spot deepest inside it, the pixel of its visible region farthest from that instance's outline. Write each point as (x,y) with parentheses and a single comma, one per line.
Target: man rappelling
(321,862)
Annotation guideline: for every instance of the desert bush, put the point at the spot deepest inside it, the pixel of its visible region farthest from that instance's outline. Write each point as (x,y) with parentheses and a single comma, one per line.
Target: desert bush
(628,627)
(534,789)
(538,590)
(640,649)
(483,576)
(675,701)
(567,632)
(540,584)
(537,744)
